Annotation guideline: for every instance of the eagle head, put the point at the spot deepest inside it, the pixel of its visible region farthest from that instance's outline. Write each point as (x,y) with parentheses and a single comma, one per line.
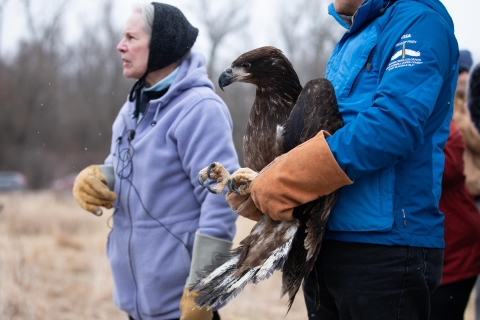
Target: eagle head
(261,67)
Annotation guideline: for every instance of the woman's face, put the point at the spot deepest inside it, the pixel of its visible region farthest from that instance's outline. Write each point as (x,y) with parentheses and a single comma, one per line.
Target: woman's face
(134,47)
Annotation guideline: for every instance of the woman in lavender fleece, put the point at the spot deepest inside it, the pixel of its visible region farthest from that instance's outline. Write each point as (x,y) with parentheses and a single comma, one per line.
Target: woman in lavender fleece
(165,225)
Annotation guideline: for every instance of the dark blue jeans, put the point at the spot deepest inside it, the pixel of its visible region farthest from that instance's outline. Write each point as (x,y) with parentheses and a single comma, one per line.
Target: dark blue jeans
(373,282)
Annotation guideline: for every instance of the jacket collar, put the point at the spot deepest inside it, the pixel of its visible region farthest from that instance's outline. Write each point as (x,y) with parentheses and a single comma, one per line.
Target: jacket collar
(368,10)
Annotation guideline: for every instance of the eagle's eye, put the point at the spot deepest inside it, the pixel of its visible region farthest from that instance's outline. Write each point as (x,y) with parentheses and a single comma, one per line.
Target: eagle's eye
(246,65)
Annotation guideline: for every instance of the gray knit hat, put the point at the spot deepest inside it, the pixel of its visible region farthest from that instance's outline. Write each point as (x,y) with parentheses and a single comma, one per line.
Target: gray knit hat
(465,61)
(172,36)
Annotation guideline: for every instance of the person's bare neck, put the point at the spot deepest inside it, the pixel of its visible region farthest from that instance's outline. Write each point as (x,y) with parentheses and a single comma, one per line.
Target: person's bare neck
(156,76)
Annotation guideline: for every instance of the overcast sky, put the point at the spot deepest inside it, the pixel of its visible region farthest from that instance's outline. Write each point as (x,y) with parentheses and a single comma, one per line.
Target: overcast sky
(78,12)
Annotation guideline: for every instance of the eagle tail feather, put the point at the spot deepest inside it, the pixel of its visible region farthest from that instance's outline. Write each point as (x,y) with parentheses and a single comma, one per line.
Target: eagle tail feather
(306,244)
(224,283)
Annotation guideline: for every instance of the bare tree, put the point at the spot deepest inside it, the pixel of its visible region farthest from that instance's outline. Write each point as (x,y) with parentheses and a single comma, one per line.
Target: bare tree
(35,28)
(291,23)
(221,21)
(58,101)
(2,5)
(322,33)
(309,35)
(96,91)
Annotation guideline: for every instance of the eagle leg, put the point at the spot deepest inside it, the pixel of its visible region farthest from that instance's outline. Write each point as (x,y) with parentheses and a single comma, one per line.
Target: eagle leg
(239,182)
(214,171)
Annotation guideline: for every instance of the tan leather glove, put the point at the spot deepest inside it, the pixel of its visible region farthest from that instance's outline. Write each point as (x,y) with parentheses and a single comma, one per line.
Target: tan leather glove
(243,205)
(301,175)
(91,190)
(190,311)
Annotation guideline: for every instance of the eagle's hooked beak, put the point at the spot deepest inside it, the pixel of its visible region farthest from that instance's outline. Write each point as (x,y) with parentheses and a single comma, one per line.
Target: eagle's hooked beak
(226,78)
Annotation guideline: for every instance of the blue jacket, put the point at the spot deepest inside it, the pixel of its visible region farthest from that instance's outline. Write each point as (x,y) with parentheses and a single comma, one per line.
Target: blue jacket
(160,204)
(394,75)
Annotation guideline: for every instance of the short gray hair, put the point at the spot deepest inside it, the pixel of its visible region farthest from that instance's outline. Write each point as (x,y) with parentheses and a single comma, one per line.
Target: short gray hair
(147,11)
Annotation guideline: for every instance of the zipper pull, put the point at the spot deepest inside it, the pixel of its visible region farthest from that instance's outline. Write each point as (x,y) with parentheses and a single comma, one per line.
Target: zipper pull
(369,63)
(369,60)
(404,219)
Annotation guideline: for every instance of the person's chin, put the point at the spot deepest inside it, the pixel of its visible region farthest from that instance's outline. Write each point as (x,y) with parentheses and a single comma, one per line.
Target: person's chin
(128,74)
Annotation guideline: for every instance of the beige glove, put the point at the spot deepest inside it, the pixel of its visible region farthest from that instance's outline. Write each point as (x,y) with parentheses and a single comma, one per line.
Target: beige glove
(205,250)
(190,311)
(301,175)
(243,205)
(91,189)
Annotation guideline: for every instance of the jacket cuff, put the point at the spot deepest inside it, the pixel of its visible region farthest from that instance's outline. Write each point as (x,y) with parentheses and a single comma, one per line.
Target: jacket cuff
(205,250)
(107,171)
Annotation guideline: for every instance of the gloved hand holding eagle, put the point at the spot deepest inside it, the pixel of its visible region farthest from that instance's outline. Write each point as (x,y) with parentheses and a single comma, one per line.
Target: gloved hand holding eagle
(289,183)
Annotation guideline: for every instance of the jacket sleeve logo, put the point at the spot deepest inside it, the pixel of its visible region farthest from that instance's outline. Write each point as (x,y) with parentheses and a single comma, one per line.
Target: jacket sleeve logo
(404,57)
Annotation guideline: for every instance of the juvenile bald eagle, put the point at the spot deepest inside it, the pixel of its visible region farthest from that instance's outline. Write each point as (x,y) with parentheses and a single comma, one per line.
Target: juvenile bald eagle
(283,116)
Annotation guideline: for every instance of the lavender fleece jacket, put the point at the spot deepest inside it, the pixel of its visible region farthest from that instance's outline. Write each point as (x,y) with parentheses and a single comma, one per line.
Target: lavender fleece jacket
(160,204)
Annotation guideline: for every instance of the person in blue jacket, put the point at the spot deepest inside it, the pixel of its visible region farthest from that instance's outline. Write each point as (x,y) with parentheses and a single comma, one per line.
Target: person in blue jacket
(166,227)
(394,72)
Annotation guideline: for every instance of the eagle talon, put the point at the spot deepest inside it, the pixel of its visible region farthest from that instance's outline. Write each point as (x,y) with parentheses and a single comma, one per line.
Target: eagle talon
(209,168)
(232,186)
(201,181)
(204,183)
(215,172)
(211,189)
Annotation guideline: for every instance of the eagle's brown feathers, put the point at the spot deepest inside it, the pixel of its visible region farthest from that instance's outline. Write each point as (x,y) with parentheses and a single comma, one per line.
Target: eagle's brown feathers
(280,102)
(277,90)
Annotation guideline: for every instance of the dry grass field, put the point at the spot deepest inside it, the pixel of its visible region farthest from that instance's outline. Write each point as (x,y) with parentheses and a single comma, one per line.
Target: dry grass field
(53,265)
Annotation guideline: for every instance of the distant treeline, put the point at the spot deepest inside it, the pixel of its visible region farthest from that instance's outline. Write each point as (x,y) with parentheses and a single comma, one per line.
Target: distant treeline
(58,101)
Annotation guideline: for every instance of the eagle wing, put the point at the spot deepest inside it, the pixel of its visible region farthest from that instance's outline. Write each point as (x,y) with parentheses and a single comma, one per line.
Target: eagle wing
(292,246)
(262,252)
(316,109)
